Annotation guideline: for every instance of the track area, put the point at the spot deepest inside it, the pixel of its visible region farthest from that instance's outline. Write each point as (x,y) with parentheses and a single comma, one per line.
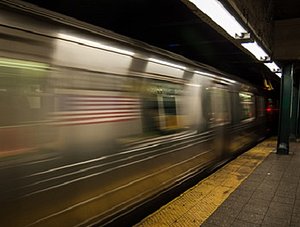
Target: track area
(194,206)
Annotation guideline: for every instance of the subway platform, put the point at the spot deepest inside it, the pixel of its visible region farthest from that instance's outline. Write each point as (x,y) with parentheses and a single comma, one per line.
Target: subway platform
(259,188)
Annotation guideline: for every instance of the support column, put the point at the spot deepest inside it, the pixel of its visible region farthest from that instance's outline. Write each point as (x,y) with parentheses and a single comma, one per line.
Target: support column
(295,110)
(285,110)
(297,123)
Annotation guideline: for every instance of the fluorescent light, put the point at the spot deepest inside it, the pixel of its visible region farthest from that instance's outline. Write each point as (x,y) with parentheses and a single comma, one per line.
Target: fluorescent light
(219,14)
(95,44)
(272,66)
(256,50)
(166,63)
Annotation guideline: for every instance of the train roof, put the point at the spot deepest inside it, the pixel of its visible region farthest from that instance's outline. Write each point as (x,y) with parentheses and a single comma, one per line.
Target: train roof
(61,19)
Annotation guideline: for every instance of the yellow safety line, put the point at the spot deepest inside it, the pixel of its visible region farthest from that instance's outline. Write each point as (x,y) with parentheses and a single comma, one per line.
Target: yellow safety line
(194,206)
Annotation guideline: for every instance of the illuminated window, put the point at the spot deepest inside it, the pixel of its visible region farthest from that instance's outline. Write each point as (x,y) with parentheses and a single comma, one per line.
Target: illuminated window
(21,91)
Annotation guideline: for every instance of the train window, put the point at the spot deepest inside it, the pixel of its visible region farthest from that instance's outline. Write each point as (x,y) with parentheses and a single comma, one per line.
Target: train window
(21,91)
(247,106)
(169,105)
(160,107)
(220,107)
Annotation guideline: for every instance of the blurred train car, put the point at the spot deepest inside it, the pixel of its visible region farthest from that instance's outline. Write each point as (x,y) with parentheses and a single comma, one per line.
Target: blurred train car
(93,124)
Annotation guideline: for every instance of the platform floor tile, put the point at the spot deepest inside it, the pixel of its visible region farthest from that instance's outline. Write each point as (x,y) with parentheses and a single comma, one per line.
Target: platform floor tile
(270,196)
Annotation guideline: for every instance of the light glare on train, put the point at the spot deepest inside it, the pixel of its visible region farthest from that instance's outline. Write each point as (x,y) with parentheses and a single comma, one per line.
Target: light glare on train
(12,63)
(166,63)
(193,85)
(225,80)
(94,44)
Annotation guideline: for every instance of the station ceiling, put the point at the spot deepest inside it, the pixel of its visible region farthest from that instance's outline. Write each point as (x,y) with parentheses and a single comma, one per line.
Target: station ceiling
(172,26)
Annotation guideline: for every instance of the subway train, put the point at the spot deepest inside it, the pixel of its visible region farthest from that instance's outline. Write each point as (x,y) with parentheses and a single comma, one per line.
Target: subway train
(94,125)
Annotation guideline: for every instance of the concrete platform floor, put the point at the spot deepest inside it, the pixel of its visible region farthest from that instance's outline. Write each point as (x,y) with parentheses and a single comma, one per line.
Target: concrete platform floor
(259,188)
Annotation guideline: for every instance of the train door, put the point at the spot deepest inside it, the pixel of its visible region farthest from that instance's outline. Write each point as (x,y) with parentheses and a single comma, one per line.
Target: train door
(219,115)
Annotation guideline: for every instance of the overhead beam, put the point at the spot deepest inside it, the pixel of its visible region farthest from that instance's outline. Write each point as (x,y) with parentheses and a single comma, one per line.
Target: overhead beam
(257,15)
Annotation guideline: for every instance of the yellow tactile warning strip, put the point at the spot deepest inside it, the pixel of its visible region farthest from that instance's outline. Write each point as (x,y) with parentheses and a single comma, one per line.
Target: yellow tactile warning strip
(194,206)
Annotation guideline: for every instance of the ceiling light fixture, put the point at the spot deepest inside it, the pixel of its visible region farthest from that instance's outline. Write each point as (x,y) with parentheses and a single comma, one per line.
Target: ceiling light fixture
(222,17)
(219,14)
(257,51)
(274,68)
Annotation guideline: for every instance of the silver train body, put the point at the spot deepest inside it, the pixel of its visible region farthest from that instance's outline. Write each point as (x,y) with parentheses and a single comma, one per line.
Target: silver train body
(94,124)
